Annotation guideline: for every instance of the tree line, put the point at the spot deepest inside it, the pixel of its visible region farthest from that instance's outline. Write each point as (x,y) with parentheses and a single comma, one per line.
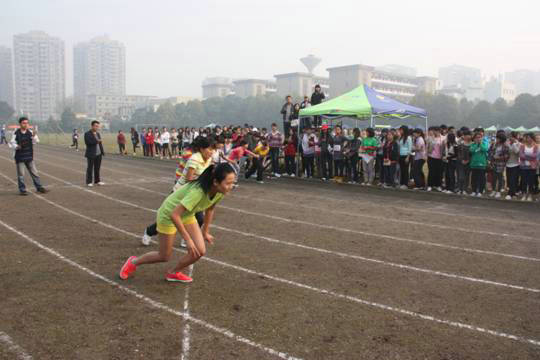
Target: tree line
(261,111)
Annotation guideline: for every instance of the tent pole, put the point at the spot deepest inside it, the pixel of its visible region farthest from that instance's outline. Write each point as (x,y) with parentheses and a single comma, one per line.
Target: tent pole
(298,147)
(426,124)
(371,122)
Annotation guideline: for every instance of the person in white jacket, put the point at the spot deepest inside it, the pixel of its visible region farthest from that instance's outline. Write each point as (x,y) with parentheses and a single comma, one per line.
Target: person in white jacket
(165,139)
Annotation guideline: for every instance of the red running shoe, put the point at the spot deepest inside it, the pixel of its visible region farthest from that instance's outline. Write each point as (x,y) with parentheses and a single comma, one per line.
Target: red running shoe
(178,277)
(128,268)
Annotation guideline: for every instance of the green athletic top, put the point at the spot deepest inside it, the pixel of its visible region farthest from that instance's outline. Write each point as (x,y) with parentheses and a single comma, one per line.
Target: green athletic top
(192,198)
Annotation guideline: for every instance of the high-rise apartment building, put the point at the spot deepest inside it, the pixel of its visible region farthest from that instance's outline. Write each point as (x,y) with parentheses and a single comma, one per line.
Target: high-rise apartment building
(40,85)
(99,68)
(6,77)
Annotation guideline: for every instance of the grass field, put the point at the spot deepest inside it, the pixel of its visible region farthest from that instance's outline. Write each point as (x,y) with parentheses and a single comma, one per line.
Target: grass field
(299,270)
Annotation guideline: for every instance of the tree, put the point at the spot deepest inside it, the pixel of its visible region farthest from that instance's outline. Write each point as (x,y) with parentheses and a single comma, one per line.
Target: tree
(525,111)
(441,109)
(6,111)
(480,115)
(68,120)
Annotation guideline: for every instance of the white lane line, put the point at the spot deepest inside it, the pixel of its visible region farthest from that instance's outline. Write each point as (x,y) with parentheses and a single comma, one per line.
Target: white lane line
(429,211)
(364,233)
(357,257)
(153,303)
(410,222)
(186,339)
(315,289)
(13,347)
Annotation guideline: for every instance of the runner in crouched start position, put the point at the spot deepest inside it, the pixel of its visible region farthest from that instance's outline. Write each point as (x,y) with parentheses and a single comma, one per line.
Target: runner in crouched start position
(177,214)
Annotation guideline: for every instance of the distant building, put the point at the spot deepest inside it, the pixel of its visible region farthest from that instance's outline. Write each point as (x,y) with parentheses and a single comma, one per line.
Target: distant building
(7,92)
(401,87)
(99,67)
(40,84)
(526,81)
(103,106)
(253,87)
(217,87)
(155,103)
(398,69)
(499,88)
(300,84)
(460,76)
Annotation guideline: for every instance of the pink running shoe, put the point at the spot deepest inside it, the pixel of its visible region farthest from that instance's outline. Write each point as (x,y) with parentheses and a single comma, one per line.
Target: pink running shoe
(128,268)
(178,277)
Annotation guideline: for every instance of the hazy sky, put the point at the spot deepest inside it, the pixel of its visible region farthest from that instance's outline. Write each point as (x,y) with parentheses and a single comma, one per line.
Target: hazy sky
(172,45)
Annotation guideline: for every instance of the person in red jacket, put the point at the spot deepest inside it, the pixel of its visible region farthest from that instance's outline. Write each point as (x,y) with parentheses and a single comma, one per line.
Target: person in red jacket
(289,149)
(150,142)
(121,140)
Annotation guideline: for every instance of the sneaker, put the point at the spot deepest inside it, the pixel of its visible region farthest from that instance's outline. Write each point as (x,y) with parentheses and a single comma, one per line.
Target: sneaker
(260,182)
(90,185)
(146,239)
(101,183)
(438,188)
(367,184)
(23,193)
(524,198)
(178,277)
(529,198)
(42,190)
(183,244)
(492,194)
(479,195)
(473,194)
(292,175)
(277,175)
(508,197)
(403,187)
(429,188)
(497,195)
(323,179)
(128,268)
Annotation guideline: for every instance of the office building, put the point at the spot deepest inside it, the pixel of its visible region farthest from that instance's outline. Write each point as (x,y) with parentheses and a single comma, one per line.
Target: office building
(460,76)
(300,84)
(401,87)
(245,88)
(107,106)
(99,68)
(498,87)
(39,74)
(7,93)
(217,87)
(526,81)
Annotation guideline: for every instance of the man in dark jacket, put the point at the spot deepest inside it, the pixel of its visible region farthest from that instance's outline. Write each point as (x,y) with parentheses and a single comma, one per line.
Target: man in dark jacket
(287,110)
(316,98)
(94,154)
(23,141)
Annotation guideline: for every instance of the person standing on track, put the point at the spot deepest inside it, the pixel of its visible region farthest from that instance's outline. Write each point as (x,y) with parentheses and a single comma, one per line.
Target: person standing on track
(75,139)
(22,142)
(94,154)
(3,139)
(177,214)
(134,140)
(121,139)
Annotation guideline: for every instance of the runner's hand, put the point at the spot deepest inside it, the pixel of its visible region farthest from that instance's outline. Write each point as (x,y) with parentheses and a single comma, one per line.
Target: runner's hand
(209,238)
(192,249)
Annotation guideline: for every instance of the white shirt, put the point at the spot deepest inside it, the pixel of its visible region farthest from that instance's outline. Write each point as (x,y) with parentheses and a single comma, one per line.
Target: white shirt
(165,137)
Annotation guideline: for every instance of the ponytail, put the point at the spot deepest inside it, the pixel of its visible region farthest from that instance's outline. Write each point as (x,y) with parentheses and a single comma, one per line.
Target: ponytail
(213,172)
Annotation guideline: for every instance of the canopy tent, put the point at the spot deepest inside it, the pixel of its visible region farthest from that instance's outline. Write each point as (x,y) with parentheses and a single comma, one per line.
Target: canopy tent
(520,129)
(535,129)
(491,128)
(364,102)
(508,128)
